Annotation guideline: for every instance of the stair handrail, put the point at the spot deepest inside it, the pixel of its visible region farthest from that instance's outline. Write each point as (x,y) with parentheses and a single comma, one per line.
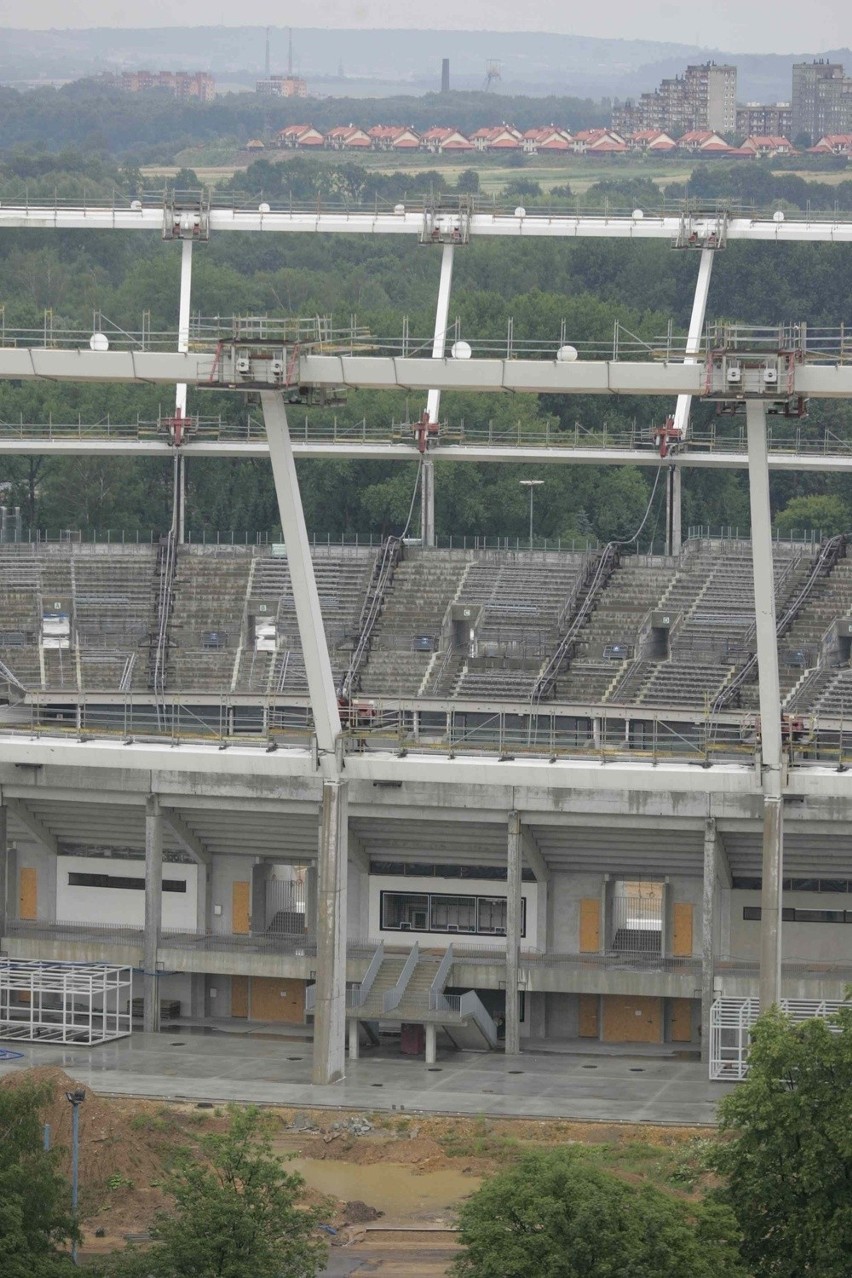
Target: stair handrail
(829,553)
(393,997)
(127,673)
(371,608)
(436,989)
(470,1004)
(360,992)
(568,606)
(548,674)
(10,678)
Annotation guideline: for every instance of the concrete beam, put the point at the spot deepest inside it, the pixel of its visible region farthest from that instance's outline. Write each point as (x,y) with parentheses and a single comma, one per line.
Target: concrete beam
(330,1013)
(358,854)
(189,841)
(32,825)
(514,911)
(153,914)
(533,856)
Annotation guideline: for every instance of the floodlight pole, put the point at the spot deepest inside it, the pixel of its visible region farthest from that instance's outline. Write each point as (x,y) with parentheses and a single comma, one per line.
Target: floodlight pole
(433,399)
(75,1099)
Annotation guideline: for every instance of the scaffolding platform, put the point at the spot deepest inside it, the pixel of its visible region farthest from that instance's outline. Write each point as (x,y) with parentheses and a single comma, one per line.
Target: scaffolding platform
(731,1021)
(84,1003)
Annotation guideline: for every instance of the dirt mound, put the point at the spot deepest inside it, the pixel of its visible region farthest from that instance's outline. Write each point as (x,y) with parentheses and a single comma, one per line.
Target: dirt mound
(358,1213)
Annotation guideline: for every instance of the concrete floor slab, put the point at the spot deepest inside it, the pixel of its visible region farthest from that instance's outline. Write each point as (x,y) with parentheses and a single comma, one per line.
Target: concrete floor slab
(275,1071)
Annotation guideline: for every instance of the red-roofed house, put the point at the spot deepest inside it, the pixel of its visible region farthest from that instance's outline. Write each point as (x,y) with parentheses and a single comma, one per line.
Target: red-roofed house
(502,137)
(703,141)
(833,144)
(445,139)
(598,141)
(651,140)
(547,138)
(763,145)
(348,137)
(394,137)
(297,135)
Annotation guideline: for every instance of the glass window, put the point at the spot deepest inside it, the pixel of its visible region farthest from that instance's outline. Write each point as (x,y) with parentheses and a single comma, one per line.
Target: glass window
(491,915)
(453,914)
(405,911)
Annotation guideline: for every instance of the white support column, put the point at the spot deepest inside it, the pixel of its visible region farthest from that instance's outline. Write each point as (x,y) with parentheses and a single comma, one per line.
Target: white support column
(771,756)
(311,901)
(153,913)
(180,389)
(354,1042)
(330,1011)
(305,596)
(4,869)
(433,399)
(431,1043)
(514,907)
(684,402)
(708,900)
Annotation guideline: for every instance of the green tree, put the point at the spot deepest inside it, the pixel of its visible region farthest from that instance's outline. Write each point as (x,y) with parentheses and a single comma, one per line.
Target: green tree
(35,1224)
(555,1214)
(819,511)
(788,1160)
(237,1211)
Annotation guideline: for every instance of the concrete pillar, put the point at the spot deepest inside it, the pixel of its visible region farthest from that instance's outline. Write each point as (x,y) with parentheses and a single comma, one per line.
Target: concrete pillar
(330,1014)
(708,898)
(311,901)
(153,913)
(431,1044)
(514,907)
(4,870)
(203,903)
(354,1043)
(771,756)
(427,502)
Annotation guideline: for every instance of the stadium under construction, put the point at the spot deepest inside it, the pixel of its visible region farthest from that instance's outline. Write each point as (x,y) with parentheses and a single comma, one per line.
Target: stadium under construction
(478,795)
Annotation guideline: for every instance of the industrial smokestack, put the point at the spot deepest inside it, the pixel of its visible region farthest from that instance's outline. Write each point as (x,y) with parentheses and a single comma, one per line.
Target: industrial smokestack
(445,75)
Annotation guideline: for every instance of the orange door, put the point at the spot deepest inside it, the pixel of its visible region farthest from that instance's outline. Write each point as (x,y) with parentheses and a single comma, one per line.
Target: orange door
(632,1020)
(240,911)
(590,925)
(27,893)
(589,1015)
(682,929)
(274,999)
(239,996)
(681,1020)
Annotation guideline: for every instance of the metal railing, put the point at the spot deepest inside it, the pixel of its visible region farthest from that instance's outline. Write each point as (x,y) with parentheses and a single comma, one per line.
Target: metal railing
(436,989)
(356,995)
(392,997)
(469,1005)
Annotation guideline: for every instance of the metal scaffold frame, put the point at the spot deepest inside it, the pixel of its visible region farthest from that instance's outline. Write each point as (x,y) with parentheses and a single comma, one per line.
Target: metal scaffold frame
(83,1003)
(731,1022)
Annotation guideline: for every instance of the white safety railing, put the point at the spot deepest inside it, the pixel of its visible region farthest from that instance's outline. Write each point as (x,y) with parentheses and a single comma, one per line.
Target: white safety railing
(436,989)
(393,997)
(357,994)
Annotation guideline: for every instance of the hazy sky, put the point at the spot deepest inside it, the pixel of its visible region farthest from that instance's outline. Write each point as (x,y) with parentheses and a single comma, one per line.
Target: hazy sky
(743,26)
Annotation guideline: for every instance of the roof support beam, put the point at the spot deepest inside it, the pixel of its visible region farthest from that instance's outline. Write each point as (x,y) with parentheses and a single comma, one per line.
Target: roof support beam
(189,841)
(32,825)
(533,855)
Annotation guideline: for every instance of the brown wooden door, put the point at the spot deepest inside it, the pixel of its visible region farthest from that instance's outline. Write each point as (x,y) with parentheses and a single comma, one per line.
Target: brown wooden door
(239,996)
(589,1015)
(27,893)
(682,913)
(274,999)
(241,909)
(681,1020)
(628,1019)
(590,925)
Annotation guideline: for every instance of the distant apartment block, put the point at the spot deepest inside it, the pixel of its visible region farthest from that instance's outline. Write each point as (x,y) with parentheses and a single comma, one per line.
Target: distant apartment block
(822,99)
(757,119)
(704,97)
(282,86)
(183,84)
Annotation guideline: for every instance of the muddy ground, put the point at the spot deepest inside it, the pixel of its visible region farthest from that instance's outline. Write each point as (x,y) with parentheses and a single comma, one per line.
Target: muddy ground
(389,1183)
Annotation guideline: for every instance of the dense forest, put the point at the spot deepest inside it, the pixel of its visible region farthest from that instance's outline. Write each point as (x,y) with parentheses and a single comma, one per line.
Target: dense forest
(579,289)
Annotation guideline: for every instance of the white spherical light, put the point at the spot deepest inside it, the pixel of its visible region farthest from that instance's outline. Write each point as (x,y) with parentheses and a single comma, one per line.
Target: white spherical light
(567,354)
(399,208)
(99,342)
(520,211)
(778,216)
(263,208)
(637,215)
(461,350)
(136,205)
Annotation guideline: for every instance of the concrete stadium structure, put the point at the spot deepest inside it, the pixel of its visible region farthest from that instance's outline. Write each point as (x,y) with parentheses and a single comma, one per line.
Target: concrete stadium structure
(558,792)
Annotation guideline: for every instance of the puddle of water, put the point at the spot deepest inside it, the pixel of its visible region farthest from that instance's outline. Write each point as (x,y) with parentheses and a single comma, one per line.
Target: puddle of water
(389,1187)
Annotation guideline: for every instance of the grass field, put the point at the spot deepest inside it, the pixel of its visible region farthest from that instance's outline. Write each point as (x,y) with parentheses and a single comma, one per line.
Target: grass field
(215,165)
